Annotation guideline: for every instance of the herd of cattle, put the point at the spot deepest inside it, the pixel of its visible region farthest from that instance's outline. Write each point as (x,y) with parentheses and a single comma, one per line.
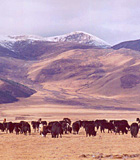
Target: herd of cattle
(57,128)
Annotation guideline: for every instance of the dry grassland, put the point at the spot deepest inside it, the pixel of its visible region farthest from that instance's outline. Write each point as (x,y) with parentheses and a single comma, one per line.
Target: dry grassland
(70,147)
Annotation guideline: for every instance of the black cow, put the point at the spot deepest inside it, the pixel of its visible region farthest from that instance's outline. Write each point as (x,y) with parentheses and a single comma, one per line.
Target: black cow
(10,127)
(120,122)
(65,126)
(76,126)
(121,128)
(25,127)
(84,123)
(56,130)
(17,127)
(46,129)
(107,125)
(134,129)
(35,125)
(90,130)
(98,123)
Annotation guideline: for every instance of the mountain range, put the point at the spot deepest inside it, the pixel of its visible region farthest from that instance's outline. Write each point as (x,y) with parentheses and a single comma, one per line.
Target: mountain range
(73,69)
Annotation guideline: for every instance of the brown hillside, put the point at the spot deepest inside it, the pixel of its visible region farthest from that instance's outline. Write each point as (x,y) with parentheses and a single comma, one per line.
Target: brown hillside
(73,74)
(96,78)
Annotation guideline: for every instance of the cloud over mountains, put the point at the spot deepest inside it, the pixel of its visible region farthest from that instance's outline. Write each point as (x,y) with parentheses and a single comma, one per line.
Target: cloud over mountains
(113,21)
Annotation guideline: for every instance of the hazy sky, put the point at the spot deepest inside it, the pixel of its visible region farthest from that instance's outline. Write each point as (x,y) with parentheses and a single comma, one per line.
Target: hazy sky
(111,20)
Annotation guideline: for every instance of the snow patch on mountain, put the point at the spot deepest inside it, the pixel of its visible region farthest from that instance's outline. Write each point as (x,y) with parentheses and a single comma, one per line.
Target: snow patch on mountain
(9,41)
(80,37)
(74,37)
(6,42)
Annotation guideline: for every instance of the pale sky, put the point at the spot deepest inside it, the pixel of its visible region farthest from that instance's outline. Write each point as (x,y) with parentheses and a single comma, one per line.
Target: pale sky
(111,20)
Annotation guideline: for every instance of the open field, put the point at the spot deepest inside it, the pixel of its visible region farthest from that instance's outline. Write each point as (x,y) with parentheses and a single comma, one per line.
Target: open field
(73,147)
(70,147)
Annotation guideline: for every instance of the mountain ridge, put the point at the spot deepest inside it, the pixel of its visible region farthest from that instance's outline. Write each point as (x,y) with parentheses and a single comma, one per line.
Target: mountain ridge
(76,37)
(80,37)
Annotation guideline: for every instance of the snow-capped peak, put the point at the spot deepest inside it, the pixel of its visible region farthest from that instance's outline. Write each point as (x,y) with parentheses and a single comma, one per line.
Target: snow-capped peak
(74,37)
(9,40)
(80,37)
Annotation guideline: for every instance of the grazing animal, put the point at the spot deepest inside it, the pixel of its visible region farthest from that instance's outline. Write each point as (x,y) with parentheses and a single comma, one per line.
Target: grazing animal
(121,128)
(84,123)
(25,127)
(99,122)
(65,126)
(90,130)
(35,125)
(45,129)
(56,130)
(120,122)
(107,125)
(10,127)
(17,127)
(134,129)
(76,126)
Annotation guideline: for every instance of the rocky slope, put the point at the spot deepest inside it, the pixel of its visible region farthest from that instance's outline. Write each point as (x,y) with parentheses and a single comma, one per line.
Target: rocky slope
(95,78)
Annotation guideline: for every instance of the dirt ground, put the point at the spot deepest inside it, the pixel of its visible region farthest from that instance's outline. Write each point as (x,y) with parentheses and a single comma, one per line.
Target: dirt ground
(104,146)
